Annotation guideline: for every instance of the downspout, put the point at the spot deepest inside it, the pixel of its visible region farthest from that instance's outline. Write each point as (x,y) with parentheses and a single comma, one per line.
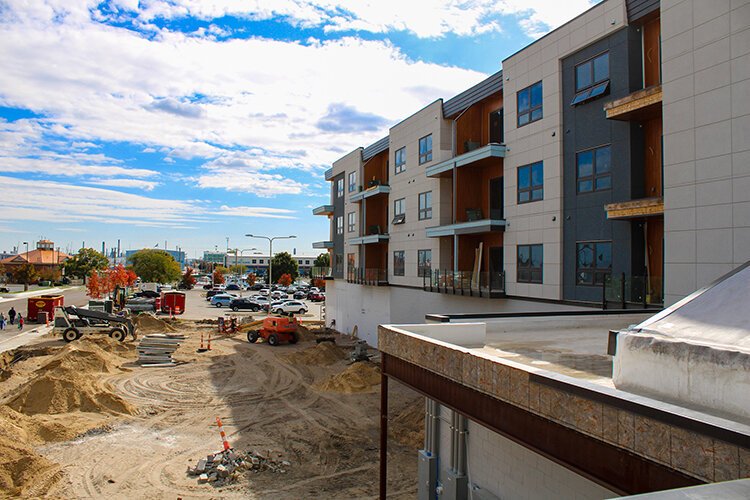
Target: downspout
(461,440)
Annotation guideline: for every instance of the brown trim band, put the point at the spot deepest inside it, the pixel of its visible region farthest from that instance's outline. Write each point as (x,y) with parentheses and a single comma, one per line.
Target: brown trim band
(603,463)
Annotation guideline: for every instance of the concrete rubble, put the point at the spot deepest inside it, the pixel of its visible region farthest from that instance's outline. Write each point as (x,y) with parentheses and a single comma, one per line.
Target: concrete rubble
(224,467)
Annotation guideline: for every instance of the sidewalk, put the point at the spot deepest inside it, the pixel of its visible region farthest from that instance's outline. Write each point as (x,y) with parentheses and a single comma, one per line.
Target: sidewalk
(24,337)
(32,293)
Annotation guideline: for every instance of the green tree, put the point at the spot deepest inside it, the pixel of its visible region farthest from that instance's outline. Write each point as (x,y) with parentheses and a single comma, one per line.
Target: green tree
(283,263)
(237,269)
(25,274)
(155,266)
(221,270)
(322,260)
(86,260)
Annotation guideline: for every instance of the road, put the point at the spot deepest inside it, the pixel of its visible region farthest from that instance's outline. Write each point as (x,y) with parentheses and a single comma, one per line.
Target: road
(197,307)
(11,337)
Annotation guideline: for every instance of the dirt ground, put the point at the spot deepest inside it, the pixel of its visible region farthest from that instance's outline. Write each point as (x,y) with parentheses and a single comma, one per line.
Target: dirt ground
(85,421)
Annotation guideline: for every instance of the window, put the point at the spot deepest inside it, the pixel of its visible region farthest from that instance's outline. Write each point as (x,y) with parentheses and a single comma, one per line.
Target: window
(425,205)
(529,268)
(399,211)
(425,149)
(593,262)
(340,188)
(398,263)
(351,222)
(592,79)
(400,160)
(352,181)
(529,104)
(531,182)
(424,262)
(594,169)
(340,224)
(255,261)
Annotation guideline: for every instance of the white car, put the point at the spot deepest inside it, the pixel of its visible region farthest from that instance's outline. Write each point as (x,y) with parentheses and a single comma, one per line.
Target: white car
(290,306)
(278,294)
(264,291)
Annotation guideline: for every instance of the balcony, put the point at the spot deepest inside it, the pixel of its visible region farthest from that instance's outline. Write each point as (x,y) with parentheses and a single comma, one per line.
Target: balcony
(372,277)
(323,210)
(329,174)
(478,156)
(479,284)
(469,227)
(375,190)
(321,273)
(641,105)
(323,245)
(646,207)
(370,239)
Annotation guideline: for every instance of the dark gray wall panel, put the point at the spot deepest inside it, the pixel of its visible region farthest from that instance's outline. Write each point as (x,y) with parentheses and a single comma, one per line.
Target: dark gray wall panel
(640,8)
(338,239)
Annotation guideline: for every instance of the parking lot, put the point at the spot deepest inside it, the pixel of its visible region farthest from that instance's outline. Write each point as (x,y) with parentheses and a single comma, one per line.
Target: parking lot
(197,307)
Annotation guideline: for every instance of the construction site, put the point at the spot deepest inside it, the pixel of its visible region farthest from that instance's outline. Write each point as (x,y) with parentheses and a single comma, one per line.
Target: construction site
(223,418)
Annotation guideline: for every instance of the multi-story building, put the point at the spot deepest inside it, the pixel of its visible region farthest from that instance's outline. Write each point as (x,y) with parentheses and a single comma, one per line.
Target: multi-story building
(258,263)
(605,164)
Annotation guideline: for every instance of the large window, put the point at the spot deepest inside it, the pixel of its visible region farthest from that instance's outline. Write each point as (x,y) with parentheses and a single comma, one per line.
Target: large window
(529,267)
(425,205)
(594,169)
(593,262)
(352,181)
(529,104)
(399,211)
(592,78)
(425,149)
(340,224)
(531,182)
(351,222)
(340,188)
(398,263)
(400,160)
(424,262)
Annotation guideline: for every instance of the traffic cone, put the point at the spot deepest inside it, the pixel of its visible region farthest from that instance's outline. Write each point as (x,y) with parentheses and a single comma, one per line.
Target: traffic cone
(209,342)
(223,434)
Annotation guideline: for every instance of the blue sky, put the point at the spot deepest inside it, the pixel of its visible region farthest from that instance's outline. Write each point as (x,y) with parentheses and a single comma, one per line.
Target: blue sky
(190,121)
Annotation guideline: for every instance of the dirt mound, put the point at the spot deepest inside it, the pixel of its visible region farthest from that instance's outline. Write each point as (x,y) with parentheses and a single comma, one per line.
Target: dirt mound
(23,471)
(148,323)
(407,427)
(359,377)
(84,356)
(39,429)
(323,354)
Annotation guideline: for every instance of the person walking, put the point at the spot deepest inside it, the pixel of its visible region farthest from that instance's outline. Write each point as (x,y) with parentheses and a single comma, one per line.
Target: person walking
(2,321)
(20,321)
(12,315)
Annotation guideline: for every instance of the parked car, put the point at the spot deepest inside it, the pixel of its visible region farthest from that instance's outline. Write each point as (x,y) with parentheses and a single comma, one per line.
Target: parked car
(222,299)
(211,293)
(264,291)
(242,303)
(150,294)
(299,295)
(233,286)
(278,294)
(316,297)
(208,286)
(290,306)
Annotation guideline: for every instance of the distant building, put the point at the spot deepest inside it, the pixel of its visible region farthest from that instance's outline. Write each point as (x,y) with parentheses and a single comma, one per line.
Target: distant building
(214,257)
(177,255)
(258,264)
(43,257)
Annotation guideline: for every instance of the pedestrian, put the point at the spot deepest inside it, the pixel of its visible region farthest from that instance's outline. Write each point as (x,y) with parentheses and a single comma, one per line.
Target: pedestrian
(2,321)
(20,321)
(12,315)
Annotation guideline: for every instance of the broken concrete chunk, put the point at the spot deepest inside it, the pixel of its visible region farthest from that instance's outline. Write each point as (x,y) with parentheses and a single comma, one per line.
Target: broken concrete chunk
(203,478)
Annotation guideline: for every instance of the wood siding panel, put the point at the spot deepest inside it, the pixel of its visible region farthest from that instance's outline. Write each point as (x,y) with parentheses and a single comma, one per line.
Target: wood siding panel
(652,53)
(652,132)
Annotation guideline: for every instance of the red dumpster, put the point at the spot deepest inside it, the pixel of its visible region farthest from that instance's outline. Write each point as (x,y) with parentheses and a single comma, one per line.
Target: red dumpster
(43,303)
(173,302)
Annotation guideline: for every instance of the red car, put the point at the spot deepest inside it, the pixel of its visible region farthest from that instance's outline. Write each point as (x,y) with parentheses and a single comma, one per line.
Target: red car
(316,297)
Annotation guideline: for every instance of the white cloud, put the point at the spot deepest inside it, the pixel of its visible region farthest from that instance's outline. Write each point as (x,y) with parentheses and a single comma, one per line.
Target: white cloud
(126,183)
(266,212)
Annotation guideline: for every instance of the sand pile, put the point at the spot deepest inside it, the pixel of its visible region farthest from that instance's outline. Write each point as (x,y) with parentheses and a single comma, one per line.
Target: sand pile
(323,354)
(40,429)
(23,471)
(358,377)
(407,427)
(148,323)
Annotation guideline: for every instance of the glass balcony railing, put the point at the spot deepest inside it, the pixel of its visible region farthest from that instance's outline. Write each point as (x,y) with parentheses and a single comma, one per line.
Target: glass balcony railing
(367,276)
(627,291)
(481,284)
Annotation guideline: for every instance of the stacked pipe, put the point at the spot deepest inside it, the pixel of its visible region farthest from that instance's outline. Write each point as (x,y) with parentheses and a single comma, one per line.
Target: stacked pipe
(156,349)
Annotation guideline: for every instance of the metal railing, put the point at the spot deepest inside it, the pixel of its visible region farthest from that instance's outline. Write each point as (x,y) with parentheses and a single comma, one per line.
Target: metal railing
(481,284)
(621,291)
(321,273)
(363,276)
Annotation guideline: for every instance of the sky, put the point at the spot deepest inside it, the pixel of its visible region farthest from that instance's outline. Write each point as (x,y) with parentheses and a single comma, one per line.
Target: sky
(187,122)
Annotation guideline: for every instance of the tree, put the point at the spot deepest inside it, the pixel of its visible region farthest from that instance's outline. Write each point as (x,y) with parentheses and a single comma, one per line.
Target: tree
(221,270)
(285,279)
(283,263)
(25,274)
(155,266)
(322,260)
(251,279)
(188,280)
(94,286)
(237,269)
(218,277)
(85,261)
(49,274)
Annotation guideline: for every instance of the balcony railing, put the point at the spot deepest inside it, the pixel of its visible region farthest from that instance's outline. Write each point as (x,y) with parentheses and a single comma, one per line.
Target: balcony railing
(631,291)
(363,276)
(481,284)
(321,273)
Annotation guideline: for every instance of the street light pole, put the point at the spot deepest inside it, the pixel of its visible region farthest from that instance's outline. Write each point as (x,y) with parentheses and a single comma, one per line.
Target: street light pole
(270,255)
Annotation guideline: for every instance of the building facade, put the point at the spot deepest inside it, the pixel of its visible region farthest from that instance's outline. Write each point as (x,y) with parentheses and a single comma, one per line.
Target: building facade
(605,165)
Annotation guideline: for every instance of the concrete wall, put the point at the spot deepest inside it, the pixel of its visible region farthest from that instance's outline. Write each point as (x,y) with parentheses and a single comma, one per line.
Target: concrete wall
(706,109)
(510,471)
(353,305)
(541,221)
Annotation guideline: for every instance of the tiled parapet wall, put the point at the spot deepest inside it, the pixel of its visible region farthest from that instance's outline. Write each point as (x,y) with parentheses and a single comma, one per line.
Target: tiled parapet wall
(640,425)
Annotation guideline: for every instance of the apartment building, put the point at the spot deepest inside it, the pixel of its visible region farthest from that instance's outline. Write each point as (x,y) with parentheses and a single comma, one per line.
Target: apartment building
(605,165)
